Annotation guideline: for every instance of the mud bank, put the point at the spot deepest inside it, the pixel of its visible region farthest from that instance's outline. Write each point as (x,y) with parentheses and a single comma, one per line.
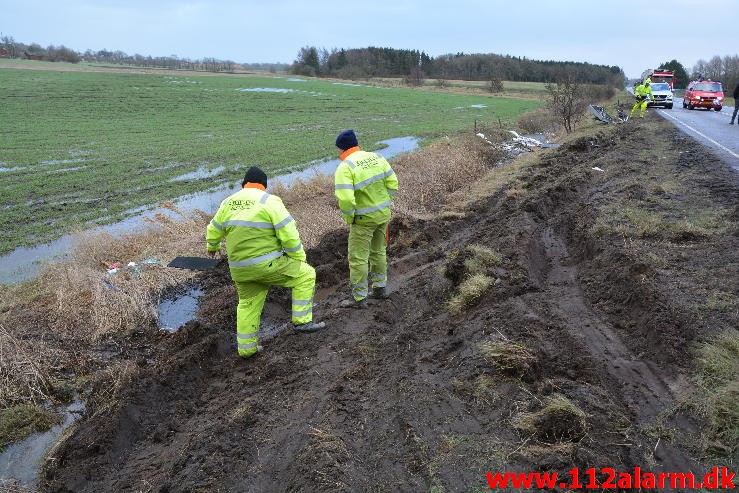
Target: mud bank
(578,354)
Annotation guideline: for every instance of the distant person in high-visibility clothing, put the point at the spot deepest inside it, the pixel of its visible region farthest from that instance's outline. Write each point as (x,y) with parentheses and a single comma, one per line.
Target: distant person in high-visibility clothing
(643,94)
(365,185)
(264,249)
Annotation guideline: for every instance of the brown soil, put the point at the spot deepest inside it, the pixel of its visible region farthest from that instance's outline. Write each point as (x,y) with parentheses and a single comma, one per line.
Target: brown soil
(397,397)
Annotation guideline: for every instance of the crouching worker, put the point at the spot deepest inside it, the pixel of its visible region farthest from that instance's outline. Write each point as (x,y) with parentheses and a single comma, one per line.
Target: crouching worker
(264,249)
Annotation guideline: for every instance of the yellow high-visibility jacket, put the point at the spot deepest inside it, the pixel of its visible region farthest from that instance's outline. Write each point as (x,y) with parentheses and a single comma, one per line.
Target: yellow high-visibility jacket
(364,185)
(257,227)
(642,92)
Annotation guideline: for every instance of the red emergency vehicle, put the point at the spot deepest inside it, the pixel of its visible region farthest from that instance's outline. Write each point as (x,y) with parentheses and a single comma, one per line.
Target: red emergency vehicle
(703,93)
(658,75)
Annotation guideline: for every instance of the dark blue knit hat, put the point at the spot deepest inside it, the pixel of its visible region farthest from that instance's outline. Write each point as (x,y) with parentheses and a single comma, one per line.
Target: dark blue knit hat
(255,175)
(346,140)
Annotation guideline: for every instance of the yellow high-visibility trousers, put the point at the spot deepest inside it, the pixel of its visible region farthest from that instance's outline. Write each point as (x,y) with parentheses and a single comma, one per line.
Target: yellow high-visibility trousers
(642,106)
(367,258)
(252,285)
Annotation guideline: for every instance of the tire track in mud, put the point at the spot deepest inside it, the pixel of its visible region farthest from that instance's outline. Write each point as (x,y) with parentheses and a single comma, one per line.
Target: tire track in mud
(642,388)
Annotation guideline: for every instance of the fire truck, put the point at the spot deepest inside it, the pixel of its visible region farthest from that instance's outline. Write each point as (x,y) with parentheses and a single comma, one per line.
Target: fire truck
(658,75)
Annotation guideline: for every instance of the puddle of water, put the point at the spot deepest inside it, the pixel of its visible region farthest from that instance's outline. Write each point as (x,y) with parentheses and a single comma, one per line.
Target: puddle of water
(23,264)
(478,106)
(64,170)
(201,172)
(295,79)
(176,312)
(394,147)
(62,161)
(14,168)
(265,89)
(22,461)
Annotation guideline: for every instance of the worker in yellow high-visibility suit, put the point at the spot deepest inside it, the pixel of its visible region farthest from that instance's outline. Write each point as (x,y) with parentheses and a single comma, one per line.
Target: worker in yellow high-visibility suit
(643,94)
(264,249)
(365,185)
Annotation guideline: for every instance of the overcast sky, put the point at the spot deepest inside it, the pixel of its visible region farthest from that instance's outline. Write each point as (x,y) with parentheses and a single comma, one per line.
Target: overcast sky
(632,34)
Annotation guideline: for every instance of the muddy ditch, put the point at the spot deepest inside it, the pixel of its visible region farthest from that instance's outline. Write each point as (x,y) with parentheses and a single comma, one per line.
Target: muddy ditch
(576,354)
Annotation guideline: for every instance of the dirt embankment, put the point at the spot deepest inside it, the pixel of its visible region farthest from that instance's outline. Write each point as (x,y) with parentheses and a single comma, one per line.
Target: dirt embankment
(577,352)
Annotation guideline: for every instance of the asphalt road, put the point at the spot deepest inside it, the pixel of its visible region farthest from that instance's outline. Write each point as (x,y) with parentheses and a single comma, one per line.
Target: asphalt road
(708,127)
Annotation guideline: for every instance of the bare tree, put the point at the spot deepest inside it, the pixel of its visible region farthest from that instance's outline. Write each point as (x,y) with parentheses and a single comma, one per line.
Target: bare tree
(495,85)
(8,43)
(566,100)
(416,77)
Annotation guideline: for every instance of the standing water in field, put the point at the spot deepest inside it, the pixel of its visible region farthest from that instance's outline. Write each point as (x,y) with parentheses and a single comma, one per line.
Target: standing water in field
(23,264)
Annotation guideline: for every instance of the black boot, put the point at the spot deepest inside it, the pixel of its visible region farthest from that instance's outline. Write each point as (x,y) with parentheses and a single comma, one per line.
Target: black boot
(380,293)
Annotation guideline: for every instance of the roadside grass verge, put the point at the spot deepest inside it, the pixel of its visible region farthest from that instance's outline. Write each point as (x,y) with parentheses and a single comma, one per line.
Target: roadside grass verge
(631,220)
(717,397)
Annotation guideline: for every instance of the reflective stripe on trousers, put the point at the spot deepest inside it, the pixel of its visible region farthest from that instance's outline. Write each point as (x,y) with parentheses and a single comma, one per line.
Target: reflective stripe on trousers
(378,280)
(252,288)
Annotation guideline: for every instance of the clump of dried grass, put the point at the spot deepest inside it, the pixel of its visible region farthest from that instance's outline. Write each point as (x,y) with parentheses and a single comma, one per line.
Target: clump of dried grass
(108,384)
(471,289)
(89,304)
(559,421)
(439,173)
(25,369)
(508,357)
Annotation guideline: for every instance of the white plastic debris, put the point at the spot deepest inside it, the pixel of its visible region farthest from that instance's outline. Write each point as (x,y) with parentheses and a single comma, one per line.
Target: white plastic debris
(526,141)
(595,168)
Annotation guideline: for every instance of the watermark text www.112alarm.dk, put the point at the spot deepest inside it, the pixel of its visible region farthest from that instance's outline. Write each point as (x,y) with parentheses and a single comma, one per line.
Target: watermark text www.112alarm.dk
(719,478)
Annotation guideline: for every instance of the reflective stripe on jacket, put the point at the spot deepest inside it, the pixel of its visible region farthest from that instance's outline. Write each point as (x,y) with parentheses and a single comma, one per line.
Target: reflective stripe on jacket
(364,185)
(257,228)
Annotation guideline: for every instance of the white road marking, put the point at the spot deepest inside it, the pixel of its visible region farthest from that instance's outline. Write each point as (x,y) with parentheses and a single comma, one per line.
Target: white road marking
(702,134)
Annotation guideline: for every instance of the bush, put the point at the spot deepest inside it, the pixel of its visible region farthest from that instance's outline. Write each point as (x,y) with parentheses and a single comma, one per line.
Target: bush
(537,122)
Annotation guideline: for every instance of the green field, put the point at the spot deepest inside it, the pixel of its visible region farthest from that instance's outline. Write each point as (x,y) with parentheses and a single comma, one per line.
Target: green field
(80,146)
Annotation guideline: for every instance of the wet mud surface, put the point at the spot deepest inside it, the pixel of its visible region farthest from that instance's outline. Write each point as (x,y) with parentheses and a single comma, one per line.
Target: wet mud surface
(398,396)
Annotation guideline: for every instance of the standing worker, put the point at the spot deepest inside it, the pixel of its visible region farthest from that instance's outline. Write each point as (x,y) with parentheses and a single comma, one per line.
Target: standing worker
(264,249)
(736,103)
(365,185)
(643,94)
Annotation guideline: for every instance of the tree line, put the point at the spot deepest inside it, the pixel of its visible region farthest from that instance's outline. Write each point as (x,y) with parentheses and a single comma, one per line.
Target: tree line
(724,69)
(34,51)
(389,62)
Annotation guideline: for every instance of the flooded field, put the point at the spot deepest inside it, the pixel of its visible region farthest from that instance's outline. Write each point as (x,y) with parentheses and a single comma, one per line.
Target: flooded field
(84,147)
